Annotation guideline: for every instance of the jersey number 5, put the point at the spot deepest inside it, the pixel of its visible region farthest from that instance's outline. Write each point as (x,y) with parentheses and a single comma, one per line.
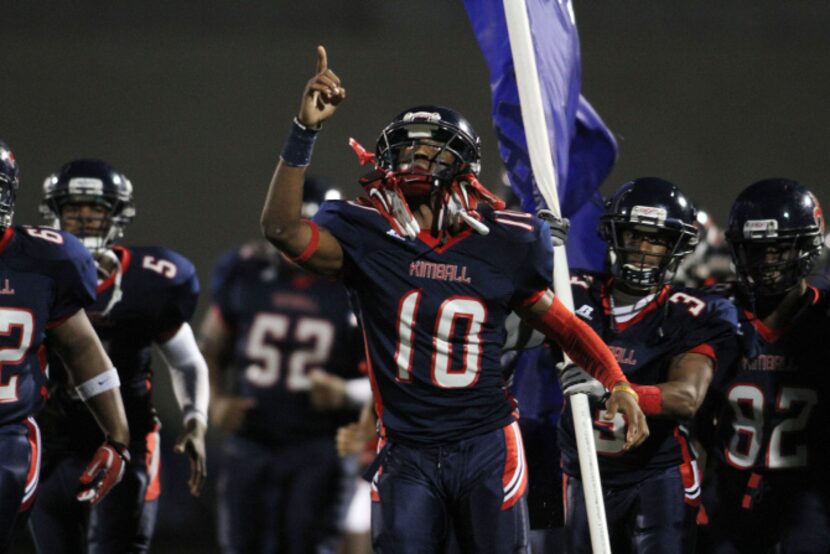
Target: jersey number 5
(453,309)
(160,266)
(13,355)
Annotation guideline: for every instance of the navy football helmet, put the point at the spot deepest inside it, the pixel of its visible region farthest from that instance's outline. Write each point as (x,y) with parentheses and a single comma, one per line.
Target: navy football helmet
(455,148)
(775,231)
(90,182)
(654,211)
(427,153)
(9,183)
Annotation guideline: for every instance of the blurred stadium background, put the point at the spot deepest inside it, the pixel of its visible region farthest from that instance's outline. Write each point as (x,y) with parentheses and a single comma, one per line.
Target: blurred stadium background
(192,100)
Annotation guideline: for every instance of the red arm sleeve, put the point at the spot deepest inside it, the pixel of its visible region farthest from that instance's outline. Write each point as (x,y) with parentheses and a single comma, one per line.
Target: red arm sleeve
(580,342)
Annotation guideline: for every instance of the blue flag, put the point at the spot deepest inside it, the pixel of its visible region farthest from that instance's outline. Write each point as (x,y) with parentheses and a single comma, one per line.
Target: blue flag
(584,148)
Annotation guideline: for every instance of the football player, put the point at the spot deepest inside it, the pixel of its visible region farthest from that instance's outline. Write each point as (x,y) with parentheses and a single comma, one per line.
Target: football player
(668,340)
(291,345)
(435,264)
(771,491)
(146,295)
(47,279)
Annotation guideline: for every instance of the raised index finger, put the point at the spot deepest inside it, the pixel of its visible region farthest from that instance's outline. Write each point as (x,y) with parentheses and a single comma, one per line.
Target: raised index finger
(322,61)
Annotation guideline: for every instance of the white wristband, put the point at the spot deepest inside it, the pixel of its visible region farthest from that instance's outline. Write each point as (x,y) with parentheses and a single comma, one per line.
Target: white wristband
(98,384)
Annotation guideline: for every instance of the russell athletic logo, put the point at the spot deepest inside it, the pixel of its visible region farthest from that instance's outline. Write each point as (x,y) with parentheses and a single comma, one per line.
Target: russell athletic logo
(439,272)
(7,289)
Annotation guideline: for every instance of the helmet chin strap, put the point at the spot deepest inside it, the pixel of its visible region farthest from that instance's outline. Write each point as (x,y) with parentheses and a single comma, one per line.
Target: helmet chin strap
(110,257)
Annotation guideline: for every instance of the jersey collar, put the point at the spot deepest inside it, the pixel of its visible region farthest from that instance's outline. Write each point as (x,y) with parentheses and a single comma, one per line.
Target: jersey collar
(769,334)
(650,307)
(772,335)
(435,243)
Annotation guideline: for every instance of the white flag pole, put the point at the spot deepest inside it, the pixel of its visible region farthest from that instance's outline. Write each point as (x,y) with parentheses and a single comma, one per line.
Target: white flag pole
(541,159)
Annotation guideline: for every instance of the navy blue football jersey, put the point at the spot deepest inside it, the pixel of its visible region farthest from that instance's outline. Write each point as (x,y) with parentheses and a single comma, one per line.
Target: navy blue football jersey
(158,292)
(433,315)
(772,406)
(46,276)
(676,321)
(285,322)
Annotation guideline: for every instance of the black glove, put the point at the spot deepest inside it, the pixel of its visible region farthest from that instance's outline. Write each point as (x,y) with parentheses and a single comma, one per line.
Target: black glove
(575,380)
(559,226)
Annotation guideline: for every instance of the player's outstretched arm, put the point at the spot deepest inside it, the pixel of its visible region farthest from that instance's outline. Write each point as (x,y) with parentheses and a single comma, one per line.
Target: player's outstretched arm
(550,317)
(97,383)
(301,240)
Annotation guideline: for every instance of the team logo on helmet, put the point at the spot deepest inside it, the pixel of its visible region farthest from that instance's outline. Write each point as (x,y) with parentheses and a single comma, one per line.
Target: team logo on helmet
(647,214)
(761,228)
(432,117)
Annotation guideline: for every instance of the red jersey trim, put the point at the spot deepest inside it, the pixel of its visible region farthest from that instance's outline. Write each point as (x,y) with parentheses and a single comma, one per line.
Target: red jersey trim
(533,298)
(7,238)
(769,334)
(435,242)
(312,245)
(704,349)
(126,256)
(650,307)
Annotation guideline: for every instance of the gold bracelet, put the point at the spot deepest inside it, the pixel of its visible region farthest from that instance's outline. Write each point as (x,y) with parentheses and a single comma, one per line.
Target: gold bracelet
(628,390)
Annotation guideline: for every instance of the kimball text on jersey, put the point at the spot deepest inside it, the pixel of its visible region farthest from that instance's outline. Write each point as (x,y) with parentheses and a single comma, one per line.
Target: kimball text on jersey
(439,272)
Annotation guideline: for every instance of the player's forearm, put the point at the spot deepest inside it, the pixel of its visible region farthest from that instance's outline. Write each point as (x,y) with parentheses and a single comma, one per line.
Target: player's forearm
(108,410)
(189,374)
(683,393)
(576,339)
(678,400)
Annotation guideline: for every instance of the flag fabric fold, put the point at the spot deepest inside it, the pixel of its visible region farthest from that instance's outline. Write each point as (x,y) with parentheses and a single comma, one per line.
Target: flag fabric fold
(584,148)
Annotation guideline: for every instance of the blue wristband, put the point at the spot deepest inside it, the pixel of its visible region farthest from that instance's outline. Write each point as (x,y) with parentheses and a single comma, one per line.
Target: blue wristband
(299,145)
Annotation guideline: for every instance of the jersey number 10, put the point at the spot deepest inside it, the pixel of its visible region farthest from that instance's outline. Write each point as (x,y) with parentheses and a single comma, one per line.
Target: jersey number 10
(453,309)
